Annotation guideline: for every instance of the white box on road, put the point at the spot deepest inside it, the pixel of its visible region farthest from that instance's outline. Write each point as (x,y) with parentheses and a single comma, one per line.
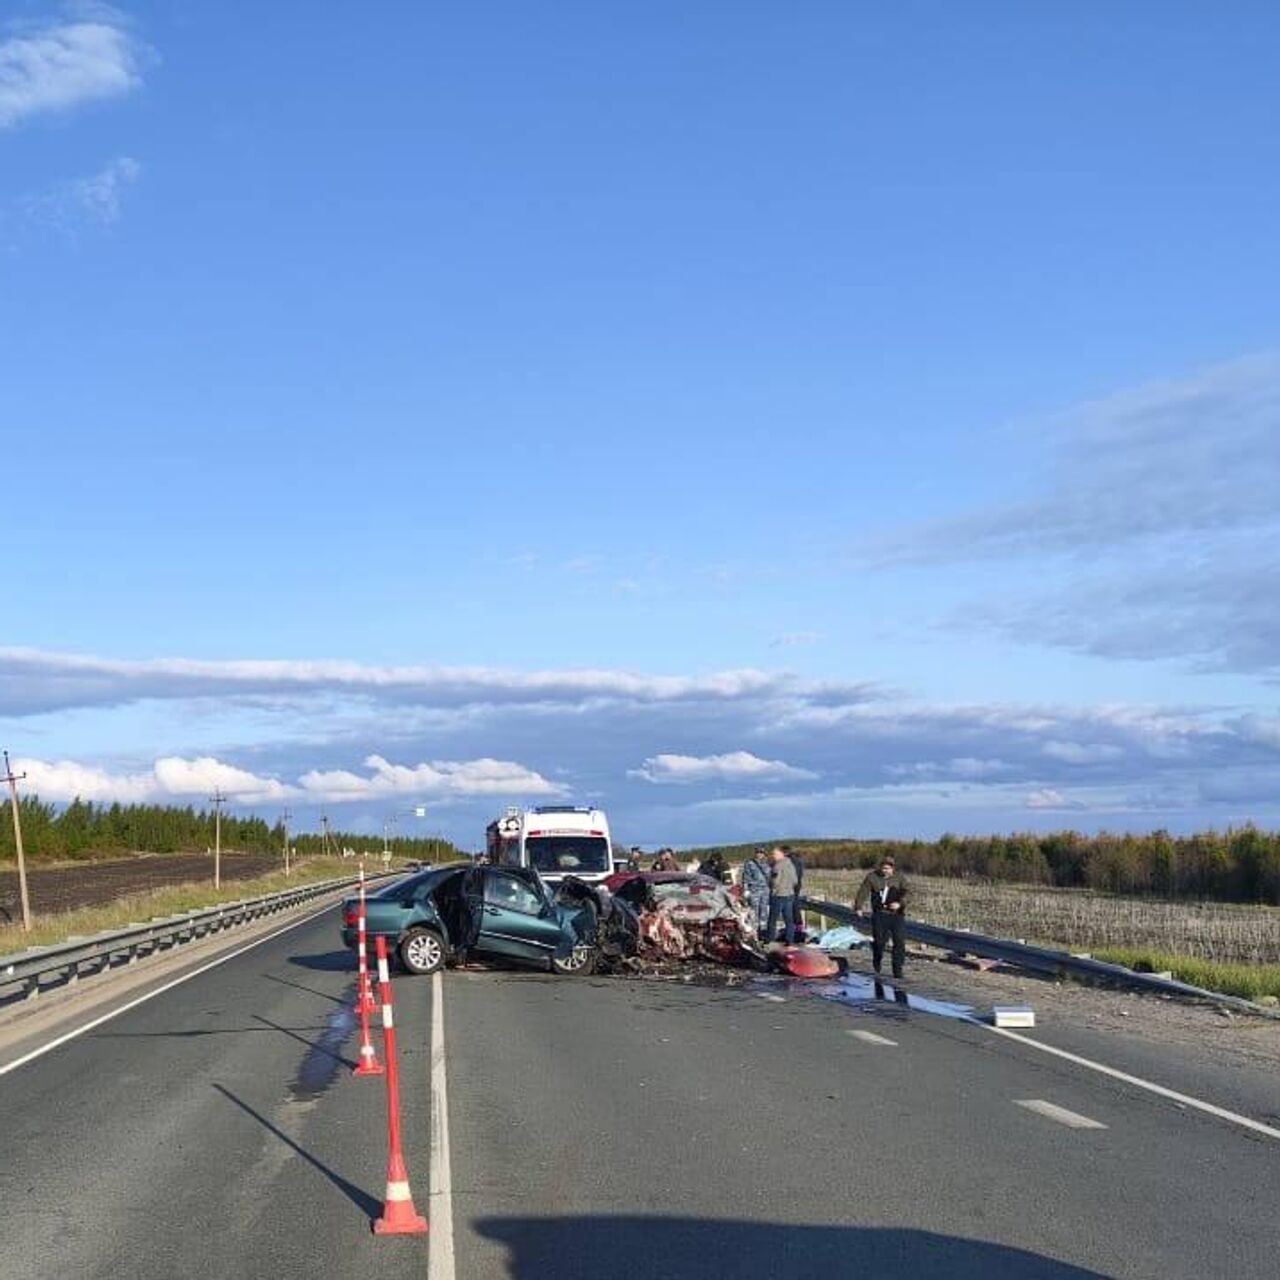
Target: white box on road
(1013,1015)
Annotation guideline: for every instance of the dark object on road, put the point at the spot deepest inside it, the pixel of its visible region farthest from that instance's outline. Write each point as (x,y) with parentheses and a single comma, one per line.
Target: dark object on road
(454,912)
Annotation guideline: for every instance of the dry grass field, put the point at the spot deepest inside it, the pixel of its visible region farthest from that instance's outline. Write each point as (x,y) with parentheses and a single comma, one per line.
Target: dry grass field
(1080,920)
(170,899)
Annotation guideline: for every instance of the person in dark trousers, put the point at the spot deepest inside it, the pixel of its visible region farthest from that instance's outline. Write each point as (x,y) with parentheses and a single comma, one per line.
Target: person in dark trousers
(782,899)
(886,890)
(798,862)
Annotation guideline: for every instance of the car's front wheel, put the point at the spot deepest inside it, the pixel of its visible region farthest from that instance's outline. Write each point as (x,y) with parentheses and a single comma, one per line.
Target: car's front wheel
(579,962)
(422,951)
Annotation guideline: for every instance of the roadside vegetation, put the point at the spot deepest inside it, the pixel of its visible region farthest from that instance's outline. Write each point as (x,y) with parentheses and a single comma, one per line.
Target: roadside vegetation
(169,901)
(83,830)
(1234,949)
(1241,864)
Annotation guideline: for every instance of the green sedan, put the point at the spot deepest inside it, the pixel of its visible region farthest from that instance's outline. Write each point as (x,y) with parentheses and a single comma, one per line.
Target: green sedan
(440,916)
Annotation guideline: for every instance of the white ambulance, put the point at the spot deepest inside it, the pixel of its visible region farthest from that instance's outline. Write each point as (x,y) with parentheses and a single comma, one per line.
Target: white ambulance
(556,840)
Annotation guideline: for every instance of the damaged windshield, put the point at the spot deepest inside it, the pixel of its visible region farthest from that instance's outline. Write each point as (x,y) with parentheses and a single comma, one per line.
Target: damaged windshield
(568,853)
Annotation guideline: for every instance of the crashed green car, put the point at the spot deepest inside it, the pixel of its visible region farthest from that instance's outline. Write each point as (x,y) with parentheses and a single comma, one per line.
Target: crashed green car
(437,917)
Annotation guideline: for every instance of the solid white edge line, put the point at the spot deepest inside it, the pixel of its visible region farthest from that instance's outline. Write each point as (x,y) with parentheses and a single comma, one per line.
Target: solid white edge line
(151,995)
(1060,1115)
(1255,1126)
(440,1260)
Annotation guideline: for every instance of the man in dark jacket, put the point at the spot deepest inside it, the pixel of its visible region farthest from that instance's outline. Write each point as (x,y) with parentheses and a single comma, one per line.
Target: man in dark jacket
(886,890)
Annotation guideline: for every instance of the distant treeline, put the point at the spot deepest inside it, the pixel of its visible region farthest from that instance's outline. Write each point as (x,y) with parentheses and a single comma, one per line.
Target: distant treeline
(83,829)
(1238,865)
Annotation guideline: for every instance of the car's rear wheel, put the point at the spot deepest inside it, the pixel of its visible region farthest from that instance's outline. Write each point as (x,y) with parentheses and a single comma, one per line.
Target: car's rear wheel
(422,951)
(578,963)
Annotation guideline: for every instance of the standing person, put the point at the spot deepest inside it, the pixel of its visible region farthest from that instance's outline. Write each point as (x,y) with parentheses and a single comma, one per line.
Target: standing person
(798,862)
(755,888)
(665,861)
(782,898)
(887,892)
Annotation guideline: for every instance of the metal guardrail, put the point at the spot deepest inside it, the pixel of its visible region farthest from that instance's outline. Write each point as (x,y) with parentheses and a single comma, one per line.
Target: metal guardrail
(1059,964)
(87,957)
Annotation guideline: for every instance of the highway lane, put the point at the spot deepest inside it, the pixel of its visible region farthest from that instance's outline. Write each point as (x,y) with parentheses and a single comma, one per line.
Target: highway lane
(693,1130)
(214,1131)
(599,1126)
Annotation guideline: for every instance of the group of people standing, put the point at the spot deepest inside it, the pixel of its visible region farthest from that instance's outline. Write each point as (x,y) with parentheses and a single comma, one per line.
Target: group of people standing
(772,885)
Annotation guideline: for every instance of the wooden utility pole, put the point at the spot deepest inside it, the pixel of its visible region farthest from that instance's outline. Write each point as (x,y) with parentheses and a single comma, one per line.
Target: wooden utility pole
(13,779)
(217,800)
(324,838)
(284,822)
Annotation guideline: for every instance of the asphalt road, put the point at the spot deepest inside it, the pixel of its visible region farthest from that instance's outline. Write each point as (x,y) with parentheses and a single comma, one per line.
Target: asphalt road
(605,1127)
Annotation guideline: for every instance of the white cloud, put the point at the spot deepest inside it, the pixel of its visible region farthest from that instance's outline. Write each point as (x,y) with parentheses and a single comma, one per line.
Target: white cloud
(179,777)
(1193,455)
(735,766)
(792,639)
(440,778)
(169,777)
(1046,798)
(32,681)
(62,780)
(961,767)
(1081,752)
(63,66)
(99,194)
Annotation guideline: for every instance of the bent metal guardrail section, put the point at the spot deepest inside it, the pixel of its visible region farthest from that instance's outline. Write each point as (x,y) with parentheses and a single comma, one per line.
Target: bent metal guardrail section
(1058,964)
(26,972)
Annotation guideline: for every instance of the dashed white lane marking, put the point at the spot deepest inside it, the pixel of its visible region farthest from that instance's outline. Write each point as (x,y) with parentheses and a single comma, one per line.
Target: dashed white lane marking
(870,1037)
(768,995)
(1254,1126)
(440,1262)
(1051,1111)
(151,995)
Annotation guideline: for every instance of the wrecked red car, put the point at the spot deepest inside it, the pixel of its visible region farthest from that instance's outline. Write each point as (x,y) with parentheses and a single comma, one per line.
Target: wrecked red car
(682,915)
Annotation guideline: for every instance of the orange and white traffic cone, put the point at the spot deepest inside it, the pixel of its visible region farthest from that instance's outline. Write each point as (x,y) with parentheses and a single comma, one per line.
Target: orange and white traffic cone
(365,1003)
(368,1064)
(399,1217)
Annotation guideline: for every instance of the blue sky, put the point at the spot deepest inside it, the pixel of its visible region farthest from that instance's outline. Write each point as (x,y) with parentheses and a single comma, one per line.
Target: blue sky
(845,419)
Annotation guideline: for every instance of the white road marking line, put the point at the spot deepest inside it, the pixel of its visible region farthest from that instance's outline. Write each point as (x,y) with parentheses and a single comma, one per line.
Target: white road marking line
(151,995)
(1051,1111)
(768,995)
(870,1037)
(1186,1100)
(440,1264)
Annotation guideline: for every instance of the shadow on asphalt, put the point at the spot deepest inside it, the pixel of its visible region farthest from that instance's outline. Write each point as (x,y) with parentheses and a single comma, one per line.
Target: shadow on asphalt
(341,961)
(367,1204)
(298,986)
(693,1248)
(340,1025)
